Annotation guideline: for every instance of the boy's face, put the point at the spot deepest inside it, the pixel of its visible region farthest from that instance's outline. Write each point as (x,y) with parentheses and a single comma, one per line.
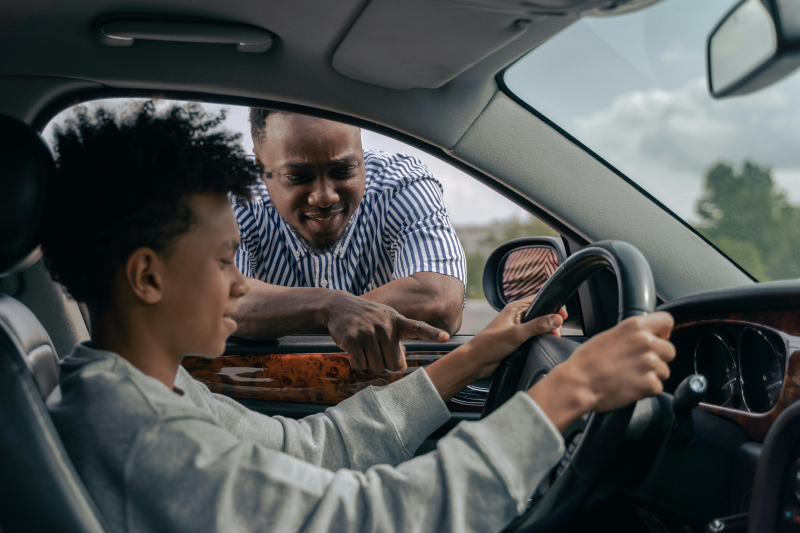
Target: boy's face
(201,283)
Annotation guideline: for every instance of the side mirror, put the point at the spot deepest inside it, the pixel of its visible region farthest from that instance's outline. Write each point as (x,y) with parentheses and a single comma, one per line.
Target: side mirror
(757,43)
(519,268)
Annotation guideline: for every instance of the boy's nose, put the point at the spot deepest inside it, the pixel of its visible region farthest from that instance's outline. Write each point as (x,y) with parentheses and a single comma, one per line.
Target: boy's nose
(239,287)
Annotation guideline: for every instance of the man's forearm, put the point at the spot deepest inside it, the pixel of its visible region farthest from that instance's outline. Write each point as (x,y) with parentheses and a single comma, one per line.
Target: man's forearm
(271,311)
(428,296)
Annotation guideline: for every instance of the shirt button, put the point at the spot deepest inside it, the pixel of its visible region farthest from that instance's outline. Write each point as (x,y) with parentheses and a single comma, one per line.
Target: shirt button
(297,253)
(324,283)
(340,249)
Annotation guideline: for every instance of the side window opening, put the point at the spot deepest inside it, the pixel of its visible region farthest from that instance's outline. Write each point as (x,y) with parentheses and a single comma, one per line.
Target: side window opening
(481,217)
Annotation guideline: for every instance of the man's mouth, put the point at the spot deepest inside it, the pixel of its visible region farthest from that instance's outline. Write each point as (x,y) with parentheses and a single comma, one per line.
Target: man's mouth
(323,216)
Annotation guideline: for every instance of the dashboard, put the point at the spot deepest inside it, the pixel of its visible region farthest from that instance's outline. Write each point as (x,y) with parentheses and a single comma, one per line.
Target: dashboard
(746,342)
(744,363)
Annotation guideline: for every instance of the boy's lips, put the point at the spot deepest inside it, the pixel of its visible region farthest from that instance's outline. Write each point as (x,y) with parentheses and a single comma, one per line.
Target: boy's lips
(228,319)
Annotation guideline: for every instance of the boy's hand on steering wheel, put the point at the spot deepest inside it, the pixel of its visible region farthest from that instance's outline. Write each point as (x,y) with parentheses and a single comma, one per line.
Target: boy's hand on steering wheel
(506,332)
(611,370)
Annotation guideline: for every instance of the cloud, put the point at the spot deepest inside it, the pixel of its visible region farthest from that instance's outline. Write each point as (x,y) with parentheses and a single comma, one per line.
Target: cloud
(665,140)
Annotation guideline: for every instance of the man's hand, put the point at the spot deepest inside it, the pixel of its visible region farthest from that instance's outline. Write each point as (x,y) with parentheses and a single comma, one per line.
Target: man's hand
(612,369)
(506,333)
(371,333)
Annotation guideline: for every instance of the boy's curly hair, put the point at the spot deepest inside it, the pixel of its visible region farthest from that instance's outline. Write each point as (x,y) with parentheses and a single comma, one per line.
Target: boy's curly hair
(124,182)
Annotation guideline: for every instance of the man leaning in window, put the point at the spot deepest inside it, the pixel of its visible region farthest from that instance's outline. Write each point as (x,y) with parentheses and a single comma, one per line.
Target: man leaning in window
(358,242)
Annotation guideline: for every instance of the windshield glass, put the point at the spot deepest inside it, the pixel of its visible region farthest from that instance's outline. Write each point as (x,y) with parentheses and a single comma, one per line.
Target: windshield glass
(632,88)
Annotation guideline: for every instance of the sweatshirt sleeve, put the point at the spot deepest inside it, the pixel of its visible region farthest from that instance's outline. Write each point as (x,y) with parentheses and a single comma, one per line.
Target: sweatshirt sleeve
(188,474)
(379,425)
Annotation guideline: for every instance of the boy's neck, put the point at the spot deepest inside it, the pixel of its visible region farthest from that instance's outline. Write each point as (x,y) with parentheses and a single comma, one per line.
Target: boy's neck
(139,345)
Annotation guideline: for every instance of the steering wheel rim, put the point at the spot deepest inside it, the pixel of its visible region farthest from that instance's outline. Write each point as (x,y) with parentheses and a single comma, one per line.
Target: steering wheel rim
(604,431)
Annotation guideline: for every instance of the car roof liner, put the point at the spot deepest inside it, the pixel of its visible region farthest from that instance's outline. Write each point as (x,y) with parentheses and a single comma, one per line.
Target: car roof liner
(404,44)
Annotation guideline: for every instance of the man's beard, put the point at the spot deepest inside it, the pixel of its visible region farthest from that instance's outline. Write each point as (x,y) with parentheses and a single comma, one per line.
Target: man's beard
(317,248)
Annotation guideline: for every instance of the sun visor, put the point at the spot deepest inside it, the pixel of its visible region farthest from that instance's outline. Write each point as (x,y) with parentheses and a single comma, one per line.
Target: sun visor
(404,44)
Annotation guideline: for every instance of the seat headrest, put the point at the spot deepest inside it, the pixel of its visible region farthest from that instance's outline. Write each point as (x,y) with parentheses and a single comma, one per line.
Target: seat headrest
(26,166)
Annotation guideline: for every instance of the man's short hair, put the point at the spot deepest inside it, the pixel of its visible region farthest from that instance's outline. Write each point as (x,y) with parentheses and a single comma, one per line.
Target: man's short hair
(258,123)
(124,182)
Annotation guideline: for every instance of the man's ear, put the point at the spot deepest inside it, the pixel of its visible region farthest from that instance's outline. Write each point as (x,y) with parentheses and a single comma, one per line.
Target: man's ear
(143,274)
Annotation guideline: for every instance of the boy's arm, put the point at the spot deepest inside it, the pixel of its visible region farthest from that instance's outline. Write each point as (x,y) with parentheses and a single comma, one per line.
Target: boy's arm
(479,479)
(398,417)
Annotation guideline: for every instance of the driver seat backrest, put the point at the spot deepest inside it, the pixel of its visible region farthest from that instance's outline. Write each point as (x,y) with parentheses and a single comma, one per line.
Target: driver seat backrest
(40,490)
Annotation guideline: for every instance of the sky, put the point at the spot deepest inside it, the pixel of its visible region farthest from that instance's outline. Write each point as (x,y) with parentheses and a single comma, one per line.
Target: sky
(633,89)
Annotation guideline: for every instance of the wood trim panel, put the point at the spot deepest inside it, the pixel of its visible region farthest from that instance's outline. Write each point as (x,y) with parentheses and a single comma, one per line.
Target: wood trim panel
(786,323)
(315,378)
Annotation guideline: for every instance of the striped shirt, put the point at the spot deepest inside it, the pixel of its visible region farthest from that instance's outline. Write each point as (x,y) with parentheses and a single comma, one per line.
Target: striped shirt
(400,227)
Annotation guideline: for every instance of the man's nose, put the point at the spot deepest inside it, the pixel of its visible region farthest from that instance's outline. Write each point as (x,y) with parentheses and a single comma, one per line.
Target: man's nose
(324,194)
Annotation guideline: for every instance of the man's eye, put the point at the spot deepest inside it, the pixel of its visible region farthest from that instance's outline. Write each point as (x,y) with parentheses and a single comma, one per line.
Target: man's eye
(297,178)
(344,172)
(225,262)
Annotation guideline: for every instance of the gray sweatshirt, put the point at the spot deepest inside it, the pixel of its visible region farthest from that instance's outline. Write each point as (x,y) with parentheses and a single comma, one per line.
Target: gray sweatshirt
(187,460)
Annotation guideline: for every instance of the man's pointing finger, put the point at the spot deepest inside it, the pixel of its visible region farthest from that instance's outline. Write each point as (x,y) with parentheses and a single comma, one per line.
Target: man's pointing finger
(417,329)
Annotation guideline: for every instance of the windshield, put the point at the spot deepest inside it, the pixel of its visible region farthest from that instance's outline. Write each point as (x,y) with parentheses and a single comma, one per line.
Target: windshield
(632,88)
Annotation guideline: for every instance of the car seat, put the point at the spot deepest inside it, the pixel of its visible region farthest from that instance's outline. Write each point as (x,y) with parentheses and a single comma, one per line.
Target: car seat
(39,488)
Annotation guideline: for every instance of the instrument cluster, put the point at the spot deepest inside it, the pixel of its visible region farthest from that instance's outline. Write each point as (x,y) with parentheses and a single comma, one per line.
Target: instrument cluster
(744,365)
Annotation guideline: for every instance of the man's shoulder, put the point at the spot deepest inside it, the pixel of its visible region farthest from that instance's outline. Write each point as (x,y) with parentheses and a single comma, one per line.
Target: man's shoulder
(393,172)
(259,198)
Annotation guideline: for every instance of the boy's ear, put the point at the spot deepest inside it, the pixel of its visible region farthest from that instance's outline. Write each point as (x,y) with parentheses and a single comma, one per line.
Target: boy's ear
(143,274)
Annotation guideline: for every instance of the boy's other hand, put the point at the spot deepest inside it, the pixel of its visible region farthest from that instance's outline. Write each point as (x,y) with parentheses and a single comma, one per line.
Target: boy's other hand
(611,370)
(371,332)
(506,333)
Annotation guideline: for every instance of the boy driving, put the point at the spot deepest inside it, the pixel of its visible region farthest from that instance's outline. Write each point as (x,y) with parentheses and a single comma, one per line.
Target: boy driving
(140,228)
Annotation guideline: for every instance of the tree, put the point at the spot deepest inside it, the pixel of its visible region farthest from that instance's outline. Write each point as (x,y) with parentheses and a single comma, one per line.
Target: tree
(752,221)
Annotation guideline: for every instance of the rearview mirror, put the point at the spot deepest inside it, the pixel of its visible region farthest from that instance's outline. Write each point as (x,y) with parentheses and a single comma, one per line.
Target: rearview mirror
(757,43)
(519,268)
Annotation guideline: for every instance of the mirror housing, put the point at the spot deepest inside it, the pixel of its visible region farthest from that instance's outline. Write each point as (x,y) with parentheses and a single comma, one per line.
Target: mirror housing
(519,268)
(755,44)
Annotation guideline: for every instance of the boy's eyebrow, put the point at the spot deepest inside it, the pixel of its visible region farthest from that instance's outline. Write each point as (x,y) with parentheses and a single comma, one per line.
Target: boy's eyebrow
(232,244)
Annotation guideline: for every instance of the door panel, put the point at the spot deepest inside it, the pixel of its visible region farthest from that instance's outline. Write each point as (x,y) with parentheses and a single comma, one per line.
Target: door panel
(302,375)
(310,370)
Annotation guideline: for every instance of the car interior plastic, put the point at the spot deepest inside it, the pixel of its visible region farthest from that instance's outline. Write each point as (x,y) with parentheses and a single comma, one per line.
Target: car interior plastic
(403,44)
(775,503)
(523,151)
(46,493)
(124,30)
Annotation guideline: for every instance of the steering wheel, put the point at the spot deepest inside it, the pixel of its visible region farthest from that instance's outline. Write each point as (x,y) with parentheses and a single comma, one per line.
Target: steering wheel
(592,440)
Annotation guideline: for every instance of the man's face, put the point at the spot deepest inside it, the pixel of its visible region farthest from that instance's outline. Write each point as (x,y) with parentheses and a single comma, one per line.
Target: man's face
(314,171)
(201,284)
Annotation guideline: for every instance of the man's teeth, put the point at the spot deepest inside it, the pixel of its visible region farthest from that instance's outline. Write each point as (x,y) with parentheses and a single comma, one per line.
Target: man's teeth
(323,217)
